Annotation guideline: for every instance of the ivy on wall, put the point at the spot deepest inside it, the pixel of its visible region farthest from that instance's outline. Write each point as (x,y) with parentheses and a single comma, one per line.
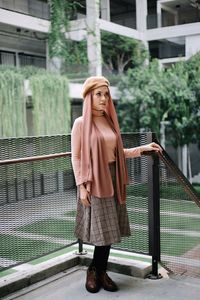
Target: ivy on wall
(73,54)
(60,15)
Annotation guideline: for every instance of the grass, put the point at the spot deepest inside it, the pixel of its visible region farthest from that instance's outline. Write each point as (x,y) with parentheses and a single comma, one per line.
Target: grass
(71,213)
(197,188)
(177,245)
(21,249)
(167,191)
(179,206)
(174,244)
(51,227)
(169,221)
(171,244)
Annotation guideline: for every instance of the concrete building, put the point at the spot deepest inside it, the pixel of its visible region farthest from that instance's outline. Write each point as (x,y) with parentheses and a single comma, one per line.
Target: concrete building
(170,29)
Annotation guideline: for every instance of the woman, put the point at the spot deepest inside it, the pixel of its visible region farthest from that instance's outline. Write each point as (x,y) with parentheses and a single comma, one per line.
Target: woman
(98,160)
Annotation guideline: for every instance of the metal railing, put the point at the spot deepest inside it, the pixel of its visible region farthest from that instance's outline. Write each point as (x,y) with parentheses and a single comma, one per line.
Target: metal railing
(38,204)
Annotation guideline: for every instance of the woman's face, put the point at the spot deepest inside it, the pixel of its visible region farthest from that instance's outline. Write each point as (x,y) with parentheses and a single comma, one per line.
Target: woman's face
(100,98)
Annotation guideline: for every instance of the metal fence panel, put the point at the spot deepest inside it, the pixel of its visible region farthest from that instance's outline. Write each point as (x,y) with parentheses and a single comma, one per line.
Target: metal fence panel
(38,205)
(37,200)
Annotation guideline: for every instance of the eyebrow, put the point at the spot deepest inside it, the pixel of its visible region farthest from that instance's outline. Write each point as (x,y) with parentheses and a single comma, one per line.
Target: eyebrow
(99,91)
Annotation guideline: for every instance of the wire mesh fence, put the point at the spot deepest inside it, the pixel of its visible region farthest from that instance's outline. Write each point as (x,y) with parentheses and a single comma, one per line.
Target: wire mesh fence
(37,198)
(137,198)
(179,221)
(38,205)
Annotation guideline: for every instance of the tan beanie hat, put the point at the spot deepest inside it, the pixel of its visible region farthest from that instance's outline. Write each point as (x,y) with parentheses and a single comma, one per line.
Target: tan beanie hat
(94,82)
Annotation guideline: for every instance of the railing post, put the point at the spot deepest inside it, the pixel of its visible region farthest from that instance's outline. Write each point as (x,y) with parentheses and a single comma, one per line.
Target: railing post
(154,211)
(80,248)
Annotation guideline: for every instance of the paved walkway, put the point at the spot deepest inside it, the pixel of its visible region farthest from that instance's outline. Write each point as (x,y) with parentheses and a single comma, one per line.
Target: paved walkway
(69,285)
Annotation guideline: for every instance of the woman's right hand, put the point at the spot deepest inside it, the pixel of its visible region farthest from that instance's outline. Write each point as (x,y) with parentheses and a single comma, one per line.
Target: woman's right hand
(84,196)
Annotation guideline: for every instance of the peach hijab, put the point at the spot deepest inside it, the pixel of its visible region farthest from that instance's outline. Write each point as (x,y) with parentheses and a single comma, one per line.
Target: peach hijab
(94,162)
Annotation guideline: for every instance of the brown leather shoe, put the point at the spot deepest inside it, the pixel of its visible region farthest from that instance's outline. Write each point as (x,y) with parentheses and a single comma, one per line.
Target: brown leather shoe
(92,282)
(107,283)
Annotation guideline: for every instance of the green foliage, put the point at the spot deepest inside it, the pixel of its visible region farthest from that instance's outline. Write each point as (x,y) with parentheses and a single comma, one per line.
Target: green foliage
(71,52)
(60,15)
(120,53)
(193,70)
(12,105)
(150,95)
(197,188)
(50,101)
(75,60)
(25,72)
(52,110)
(141,99)
(181,102)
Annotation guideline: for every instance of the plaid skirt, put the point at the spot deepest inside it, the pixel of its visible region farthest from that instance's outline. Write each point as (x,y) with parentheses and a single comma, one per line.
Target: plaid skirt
(104,222)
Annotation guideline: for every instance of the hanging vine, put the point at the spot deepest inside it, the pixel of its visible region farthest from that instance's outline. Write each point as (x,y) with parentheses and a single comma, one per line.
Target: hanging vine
(12,105)
(52,106)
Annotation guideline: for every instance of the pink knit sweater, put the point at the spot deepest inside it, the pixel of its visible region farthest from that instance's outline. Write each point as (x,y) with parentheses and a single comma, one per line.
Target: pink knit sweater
(110,141)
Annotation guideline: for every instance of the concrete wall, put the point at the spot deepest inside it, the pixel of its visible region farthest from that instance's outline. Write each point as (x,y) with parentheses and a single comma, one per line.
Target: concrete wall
(192,45)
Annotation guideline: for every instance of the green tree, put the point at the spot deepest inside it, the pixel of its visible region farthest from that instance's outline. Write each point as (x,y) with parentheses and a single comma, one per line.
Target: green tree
(193,69)
(150,95)
(75,58)
(181,102)
(120,53)
(141,104)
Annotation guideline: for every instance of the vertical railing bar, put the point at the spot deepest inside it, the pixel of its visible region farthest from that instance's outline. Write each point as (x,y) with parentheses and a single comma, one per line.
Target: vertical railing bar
(154,210)
(80,248)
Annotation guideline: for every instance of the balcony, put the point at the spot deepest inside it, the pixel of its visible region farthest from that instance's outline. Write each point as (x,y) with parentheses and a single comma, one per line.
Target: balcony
(37,216)
(34,8)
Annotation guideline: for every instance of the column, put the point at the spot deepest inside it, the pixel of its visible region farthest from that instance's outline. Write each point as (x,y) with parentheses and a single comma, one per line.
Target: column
(159,15)
(93,37)
(105,10)
(141,15)
(53,64)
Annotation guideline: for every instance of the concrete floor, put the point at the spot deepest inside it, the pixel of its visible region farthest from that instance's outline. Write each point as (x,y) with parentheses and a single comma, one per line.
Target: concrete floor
(69,285)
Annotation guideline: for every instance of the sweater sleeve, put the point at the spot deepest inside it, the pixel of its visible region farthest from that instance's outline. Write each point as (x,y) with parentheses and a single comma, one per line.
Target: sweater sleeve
(76,149)
(132,152)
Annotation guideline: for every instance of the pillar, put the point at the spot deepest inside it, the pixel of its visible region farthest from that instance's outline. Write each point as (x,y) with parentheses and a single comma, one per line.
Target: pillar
(53,64)
(141,15)
(93,37)
(159,15)
(105,10)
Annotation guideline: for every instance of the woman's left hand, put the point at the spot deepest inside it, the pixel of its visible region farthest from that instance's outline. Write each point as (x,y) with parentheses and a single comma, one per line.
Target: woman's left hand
(151,147)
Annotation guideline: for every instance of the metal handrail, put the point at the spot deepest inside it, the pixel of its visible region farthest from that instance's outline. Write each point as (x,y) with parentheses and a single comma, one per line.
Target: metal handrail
(187,186)
(33,158)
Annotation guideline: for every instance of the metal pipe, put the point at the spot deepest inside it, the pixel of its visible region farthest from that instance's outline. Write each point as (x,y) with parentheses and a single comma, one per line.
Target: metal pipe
(33,158)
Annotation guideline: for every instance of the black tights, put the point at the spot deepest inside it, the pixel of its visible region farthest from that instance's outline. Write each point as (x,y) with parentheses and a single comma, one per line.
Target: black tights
(100,257)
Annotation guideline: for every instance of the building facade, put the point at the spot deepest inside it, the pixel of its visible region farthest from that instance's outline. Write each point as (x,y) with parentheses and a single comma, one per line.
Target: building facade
(170,29)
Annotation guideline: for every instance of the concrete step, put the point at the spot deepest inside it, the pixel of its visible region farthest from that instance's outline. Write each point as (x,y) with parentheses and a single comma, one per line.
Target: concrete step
(70,285)
(27,274)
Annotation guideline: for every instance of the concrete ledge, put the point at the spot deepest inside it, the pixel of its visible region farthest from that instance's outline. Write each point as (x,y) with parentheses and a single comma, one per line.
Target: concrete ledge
(123,266)
(22,279)
(27,274)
